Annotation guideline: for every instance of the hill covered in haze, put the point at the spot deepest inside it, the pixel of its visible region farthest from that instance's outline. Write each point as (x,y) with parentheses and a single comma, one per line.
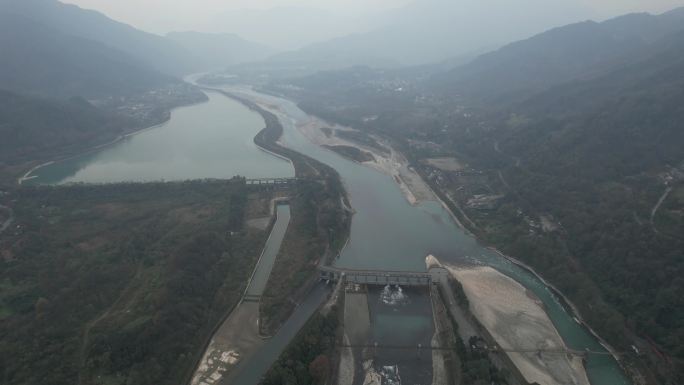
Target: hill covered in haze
(219,50)
(150,50)
(428,31)
(40,60)
(54,57)
(577,51)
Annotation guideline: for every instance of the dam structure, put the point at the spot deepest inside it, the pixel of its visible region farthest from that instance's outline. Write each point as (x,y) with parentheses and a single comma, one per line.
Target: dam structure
(378,277)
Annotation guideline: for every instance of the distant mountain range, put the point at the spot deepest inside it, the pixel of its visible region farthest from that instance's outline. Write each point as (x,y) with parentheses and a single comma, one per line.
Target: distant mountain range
(60,50)
(154,51)
(577,51)
(55,58)
(216,51)
(31,126)
(428,31)
(40,60)
(290,28)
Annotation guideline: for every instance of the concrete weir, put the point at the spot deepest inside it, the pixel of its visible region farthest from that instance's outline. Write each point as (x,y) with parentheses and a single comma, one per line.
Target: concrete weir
(372,277)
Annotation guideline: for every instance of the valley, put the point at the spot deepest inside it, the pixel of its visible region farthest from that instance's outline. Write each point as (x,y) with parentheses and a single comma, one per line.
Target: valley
(455,193)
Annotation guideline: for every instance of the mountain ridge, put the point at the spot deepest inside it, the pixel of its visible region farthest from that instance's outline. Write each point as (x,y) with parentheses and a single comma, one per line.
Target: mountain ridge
(152,50)
(572,52)
(42,61)
(218,50)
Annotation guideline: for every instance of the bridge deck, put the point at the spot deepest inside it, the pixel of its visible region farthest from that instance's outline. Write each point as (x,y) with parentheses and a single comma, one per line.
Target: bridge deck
(375,277)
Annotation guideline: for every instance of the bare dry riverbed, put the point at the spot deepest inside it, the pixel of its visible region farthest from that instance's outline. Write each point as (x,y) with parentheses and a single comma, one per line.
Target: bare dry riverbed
(516,319)
(390,162)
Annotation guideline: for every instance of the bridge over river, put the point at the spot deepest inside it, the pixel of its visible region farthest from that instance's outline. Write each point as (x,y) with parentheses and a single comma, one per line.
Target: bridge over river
(378,277)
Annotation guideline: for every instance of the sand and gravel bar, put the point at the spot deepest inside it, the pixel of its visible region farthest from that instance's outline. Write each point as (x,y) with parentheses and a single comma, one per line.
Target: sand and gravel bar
(516,319)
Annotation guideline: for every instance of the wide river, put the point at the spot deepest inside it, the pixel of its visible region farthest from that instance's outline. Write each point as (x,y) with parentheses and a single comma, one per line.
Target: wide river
(214,139)
(208,140)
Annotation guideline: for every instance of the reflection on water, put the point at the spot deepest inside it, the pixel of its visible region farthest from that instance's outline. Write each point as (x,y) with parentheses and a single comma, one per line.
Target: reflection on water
(209,140)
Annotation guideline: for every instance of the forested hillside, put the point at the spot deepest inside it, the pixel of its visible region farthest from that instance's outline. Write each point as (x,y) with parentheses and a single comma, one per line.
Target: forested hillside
(152,51)
(62,90)
(32,127)
(40,60)
(578,51)
(121,284)
(598,155)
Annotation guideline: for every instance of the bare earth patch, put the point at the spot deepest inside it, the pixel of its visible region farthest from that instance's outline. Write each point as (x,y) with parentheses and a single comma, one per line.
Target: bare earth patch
(548,223)
(390,163)
(237,339)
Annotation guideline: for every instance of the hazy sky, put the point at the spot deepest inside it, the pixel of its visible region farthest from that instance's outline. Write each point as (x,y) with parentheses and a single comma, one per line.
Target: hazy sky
(167,15)
(336,16)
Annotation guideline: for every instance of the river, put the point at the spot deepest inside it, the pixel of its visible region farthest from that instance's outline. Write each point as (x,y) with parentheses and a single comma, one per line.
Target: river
(208,140)
(388,233)
(214,140)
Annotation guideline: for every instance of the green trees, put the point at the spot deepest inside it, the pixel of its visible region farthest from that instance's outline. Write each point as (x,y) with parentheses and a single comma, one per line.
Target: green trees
(120,283)
(306,361)
(30,125)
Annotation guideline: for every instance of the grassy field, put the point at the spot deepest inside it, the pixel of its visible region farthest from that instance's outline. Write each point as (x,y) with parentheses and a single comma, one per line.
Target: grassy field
(121,284)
